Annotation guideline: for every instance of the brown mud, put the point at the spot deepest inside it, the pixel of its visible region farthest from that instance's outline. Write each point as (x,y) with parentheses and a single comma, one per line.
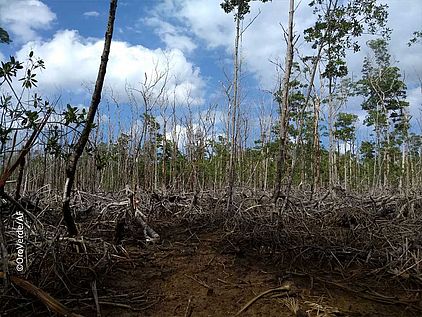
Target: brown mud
(199,273)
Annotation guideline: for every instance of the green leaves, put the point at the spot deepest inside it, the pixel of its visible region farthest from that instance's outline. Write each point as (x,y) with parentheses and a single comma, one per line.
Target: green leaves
(53,146)
(9,69)
(367,149)
(417,37)
(338,26)
(24,115)
(30,118)
(242,6)
(29,80)
(384,92)
(4,36)
(74,115)
(345,126)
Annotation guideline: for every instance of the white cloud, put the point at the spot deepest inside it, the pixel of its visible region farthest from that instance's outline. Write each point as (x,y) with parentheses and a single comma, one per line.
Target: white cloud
(404,19)
(72,60)
(263,41)
(171,35)
(91,14)
(207,21)
(182,135)
(24,17)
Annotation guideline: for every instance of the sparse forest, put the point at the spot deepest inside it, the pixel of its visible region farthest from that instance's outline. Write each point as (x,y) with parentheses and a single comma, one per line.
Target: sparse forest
(157,212)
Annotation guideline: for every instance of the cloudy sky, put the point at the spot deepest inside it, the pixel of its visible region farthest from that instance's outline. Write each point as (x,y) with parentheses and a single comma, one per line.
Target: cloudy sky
(193,39)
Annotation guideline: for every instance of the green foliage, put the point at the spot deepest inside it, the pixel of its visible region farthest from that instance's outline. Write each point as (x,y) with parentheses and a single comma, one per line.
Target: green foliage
(4,36)
(20,116)
(367,149)
(205,161)
(151,122)
(9,69)
(74,115)
(383,89)
(415,144)
(417,37)
(345,126)
(339,25)
(17,114)
(243,7)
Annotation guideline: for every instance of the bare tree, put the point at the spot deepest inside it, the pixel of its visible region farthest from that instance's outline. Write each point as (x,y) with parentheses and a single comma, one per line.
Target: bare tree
(83,139)
(234,106)
(284,102)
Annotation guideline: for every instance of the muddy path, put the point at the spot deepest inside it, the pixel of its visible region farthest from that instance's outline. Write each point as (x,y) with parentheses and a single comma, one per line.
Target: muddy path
(201,273)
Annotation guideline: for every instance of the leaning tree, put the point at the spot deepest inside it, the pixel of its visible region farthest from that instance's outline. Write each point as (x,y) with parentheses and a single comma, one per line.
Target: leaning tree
(83,139)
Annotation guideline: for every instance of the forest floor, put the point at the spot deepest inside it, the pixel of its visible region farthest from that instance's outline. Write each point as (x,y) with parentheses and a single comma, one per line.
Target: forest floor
(349,255)
(198,273)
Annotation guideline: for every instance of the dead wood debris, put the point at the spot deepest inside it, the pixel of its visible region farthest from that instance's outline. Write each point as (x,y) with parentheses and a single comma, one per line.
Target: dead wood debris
(61,266)
(283,288)
(49,301)
(381,233)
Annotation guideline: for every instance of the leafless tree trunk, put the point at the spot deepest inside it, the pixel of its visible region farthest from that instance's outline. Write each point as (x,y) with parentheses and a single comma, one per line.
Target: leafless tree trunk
(316,147)
(332,178)
(83,139)
(234,106)
(284,105)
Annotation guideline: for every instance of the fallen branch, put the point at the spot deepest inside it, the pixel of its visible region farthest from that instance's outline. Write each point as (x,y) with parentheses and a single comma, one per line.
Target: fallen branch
(44,297)
(284,288)
(149,233)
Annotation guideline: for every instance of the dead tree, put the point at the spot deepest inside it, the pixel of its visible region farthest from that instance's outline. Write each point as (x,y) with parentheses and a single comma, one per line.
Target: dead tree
(83,139)
(284,103)
(235,105)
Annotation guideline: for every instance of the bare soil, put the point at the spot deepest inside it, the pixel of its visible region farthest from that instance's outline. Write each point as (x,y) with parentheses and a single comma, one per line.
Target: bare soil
(202,273)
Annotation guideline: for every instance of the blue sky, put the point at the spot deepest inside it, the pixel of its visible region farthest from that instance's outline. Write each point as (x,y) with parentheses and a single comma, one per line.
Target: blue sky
(191,39)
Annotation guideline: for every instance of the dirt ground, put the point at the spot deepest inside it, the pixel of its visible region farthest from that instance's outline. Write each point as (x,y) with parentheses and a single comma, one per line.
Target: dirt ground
(201,273)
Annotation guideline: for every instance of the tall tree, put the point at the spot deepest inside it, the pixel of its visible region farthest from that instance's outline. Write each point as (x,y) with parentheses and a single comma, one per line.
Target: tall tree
(385,103)
(338,26)
(284,102)
(241,8)
(83,139)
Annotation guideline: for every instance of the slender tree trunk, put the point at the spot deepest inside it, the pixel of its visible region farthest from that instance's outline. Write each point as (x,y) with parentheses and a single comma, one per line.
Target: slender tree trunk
(83,139)
(233,139)
(316,148)
(298,140)
(346,161)
(402,168)
(386,161)
(20,178)
(284,105)
(164,160)
(331,151)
